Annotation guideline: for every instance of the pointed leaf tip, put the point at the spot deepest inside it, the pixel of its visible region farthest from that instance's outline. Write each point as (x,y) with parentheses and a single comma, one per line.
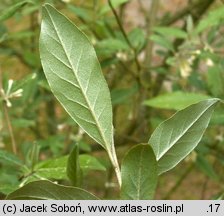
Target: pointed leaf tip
(74,75)
(176,137)
(46,190)
(72,69)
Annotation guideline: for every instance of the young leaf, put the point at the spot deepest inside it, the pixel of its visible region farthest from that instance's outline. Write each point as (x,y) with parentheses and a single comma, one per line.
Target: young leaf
(213,18)
(139,173)
(176,137)
(137,38)
(46,190)
(110,46)
(171,31)
(9,12)
(74,171)
(52,169)
(205,166)
(175,100)
(7,157)
(121,96)
(22,123)
(83,13)
(215,80)
(75,77)
(115,3)
(56,168)
(162,41)
(88,162)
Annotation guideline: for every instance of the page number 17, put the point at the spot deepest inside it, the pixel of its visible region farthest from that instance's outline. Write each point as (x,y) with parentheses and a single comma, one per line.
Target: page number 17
(214,207)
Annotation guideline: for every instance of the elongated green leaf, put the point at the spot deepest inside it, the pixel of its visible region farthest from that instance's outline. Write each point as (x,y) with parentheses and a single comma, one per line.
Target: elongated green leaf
(139,173)
(218,117)
(53,168)
(22,123)
(84,13)
(88,162)
(215,80)
(175,100)
(205,166)
(74,171)
(74,75)
(176,137)
(171,31)
(115,3)
(219,196)
(46,190)
(56,168)
(9,12)
(121,96)
(137,38)
(162,41)
(212,19)
(10,158)
(110,46)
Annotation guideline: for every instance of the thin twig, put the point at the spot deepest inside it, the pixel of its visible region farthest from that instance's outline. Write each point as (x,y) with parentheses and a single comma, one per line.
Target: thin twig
(9,125)
(125,35)
(179,181)
(200,7)
(32,29)
(151,21)
(14,148)
(109,180)
(180,14)
(204,187)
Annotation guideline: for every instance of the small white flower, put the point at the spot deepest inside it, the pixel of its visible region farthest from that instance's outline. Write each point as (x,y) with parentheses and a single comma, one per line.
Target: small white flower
(93,41)
(208,48)
(2,92)
(191,59)
(8,103)
(219,137)
(17,93)
(80,134)
(185,68)
(197,52)
(60,127)
(10,83)
(122,56)
(209,62)
(34,76)
(8,94)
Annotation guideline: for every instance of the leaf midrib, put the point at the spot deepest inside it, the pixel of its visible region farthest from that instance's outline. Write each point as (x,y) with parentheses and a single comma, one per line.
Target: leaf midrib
(139,175)
(91,111)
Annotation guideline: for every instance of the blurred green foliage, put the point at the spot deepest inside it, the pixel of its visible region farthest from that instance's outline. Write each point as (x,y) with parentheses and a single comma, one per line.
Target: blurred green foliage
(152,70)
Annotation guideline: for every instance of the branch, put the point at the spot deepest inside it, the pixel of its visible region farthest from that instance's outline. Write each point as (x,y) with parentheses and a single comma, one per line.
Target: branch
(180,14)
(179,181)
(5,108)
(197,12)
(151,21)
(125,35)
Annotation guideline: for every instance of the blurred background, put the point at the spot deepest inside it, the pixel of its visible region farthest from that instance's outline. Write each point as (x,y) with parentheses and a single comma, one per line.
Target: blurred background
(158,56)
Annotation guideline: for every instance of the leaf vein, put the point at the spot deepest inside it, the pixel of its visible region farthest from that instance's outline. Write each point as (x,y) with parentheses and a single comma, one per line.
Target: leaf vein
(77,66)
